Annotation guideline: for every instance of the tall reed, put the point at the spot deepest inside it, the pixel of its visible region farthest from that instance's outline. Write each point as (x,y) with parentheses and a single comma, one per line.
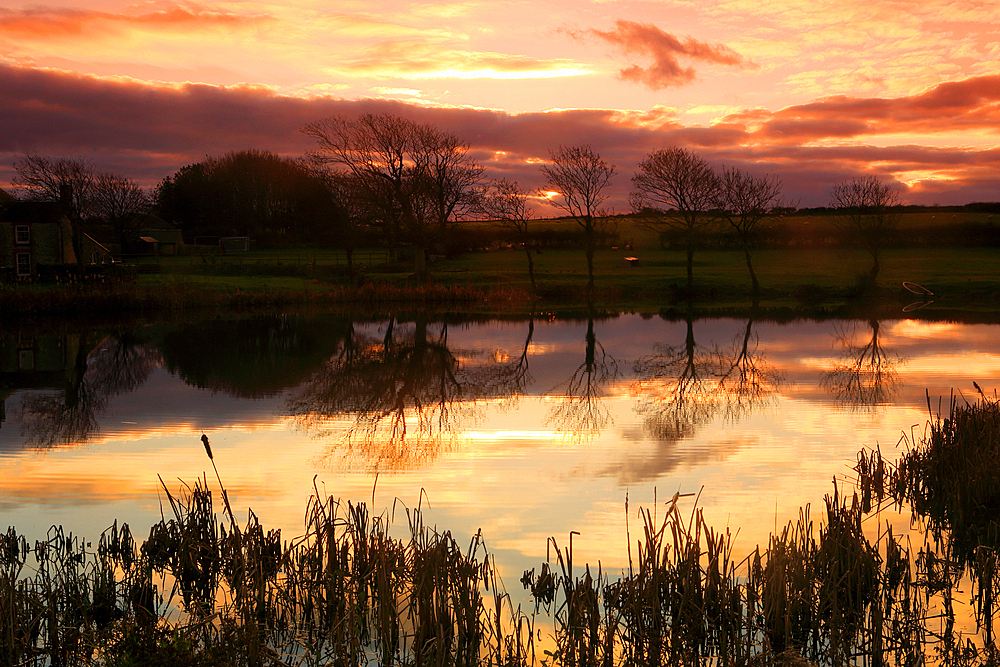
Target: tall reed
(353,589)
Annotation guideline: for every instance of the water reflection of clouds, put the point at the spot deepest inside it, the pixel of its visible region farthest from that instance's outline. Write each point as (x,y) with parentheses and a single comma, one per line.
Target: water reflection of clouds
(504,470)
(643,465)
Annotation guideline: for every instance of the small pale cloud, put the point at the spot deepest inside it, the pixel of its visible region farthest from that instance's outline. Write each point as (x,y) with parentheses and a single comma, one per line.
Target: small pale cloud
(409,92)
(494,74)
(321,89)
(664,49)
(421,60)
(363,26)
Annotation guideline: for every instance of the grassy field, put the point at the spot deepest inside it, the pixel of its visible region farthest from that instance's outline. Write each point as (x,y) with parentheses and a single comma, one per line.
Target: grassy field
(799,278)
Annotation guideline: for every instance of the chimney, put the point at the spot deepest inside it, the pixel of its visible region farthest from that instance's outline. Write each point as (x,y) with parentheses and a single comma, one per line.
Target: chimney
(66,195)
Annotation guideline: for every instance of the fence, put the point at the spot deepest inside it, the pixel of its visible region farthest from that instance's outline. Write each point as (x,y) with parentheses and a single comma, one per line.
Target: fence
(364,258)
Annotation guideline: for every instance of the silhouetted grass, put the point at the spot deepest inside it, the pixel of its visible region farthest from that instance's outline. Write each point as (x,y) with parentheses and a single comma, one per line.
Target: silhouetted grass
(207,590)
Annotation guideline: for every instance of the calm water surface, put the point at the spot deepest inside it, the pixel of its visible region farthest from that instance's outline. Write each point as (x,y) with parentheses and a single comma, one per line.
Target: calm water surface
(523,429)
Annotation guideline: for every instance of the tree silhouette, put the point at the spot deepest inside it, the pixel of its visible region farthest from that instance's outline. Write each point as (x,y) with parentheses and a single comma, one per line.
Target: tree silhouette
(248,193)
(677,189)
(580,175)
(415,178)
(743,201)
(119,201)
(865,376)
(870,206)
(505,202)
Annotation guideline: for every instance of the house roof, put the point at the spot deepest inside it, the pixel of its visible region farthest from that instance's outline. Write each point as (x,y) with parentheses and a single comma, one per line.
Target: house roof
(160,235)
(6,196)
(152,221)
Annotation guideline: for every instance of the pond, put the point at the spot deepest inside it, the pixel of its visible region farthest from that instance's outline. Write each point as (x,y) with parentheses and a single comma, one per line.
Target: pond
(521,428)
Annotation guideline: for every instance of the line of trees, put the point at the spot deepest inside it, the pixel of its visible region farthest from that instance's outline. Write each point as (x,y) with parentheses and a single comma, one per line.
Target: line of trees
(382,179)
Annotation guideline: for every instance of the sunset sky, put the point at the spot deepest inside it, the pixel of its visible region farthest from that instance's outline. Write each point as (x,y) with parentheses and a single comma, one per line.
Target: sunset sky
(815,91)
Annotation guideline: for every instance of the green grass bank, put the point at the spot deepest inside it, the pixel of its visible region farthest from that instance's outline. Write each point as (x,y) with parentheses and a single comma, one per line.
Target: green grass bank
(805,264)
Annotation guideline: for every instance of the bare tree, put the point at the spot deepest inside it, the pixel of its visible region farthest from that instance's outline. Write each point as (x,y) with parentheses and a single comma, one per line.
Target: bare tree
(679,189)
(452,175)
(743,200)
(119,201)
(580,176)
(870,206)
(67,180)
(377,151)
(505,202)
(415,177)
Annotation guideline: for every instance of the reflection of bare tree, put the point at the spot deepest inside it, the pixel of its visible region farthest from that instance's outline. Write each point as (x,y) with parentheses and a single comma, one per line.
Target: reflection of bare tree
(504,377)
(404,392)
(678,387)
(116,366)
(747,382)
(866,375)
(682,387)
(579,409)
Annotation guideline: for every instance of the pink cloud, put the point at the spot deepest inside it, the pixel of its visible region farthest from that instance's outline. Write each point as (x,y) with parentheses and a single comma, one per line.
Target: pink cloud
(149,132)
(664,49)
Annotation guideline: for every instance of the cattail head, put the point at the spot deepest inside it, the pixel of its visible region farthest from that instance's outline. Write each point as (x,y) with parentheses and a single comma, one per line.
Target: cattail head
(208,447)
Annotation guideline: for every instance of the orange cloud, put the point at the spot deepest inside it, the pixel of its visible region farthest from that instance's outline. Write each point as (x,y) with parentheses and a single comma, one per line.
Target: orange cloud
(959,105)
(664,49)
(56,24)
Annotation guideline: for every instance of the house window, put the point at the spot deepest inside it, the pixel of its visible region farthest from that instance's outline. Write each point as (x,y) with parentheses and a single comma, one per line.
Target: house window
(22,234)
(23,264)
(26,360)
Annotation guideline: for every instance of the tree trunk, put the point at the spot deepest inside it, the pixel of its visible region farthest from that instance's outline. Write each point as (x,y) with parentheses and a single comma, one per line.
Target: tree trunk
(531,268)
(753,275)
(420,264)
(590,256)
(690,266)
